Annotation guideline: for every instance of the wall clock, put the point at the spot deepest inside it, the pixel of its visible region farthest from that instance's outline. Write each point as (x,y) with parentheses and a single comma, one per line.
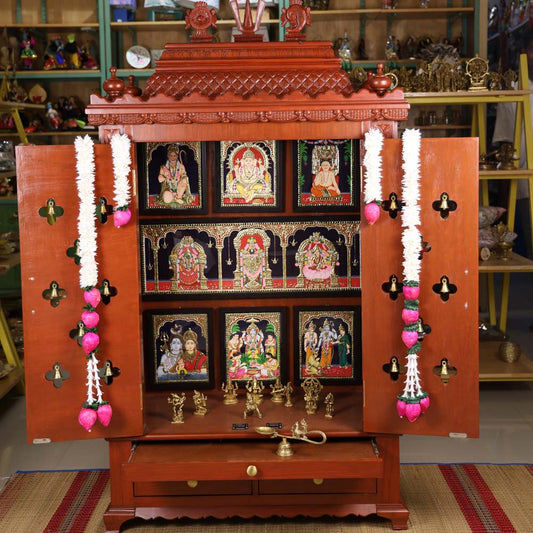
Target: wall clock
(138,56)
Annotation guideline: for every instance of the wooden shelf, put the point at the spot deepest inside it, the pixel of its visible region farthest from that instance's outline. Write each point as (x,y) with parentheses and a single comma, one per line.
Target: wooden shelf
(492,368)
(10,381)
(317,15)
(515,263)
(505,174)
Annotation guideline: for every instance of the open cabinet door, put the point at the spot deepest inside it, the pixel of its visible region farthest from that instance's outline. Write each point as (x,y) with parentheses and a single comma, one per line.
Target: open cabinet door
(48,173)
(447,166)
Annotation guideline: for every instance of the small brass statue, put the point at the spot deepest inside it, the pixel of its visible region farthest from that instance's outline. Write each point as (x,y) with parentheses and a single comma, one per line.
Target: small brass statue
(289,389)
(277,391)
(255,388)
(312,388)
(330,405)
(230,392)
(251,408)
(200,403)
(299,432)
(477,69)
(177,402)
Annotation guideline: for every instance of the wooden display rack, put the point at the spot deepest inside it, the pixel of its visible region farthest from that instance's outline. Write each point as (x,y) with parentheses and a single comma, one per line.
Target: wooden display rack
(206,467)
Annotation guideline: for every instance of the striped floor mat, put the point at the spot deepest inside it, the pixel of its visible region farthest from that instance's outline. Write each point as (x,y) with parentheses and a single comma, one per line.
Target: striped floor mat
(440,498)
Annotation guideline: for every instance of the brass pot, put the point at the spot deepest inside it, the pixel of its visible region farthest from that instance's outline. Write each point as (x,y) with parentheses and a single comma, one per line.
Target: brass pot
(509,352)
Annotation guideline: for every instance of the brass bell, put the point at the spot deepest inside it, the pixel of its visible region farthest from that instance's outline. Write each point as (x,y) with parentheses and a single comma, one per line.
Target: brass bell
(108,370)
(105,290)
(81,329)
(50,211)
(393,285)
(444,201)
(444,368)
(394,365)
(103,208)
(57,373)
(419,326)
(54,293)
(444,288)
(393,204)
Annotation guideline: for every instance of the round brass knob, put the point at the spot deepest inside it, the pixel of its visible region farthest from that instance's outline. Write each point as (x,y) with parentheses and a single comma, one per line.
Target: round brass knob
(318,481)
(252,470)
(192,483)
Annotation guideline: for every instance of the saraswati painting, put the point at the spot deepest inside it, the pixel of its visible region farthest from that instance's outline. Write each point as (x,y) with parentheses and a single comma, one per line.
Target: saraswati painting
(248,175)
(171,177)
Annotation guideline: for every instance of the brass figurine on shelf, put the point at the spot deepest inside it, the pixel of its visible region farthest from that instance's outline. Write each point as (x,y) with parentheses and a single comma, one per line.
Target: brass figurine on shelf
(230,392)
(255,388)
(289,389)
(506,156)
(299,432)
(477,69)
(329,401)
(200,403)
(504,244)
(251,408)
(312,388)
(277,392)
(177,402)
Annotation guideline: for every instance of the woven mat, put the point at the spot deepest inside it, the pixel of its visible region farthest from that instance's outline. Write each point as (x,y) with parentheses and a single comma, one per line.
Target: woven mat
(440,498)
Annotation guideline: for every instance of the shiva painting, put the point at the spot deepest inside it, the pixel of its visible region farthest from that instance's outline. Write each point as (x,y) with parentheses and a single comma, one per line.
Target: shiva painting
(326,171)
(253,340)
(178,349)
(248,176)
(172,177)
(329,344)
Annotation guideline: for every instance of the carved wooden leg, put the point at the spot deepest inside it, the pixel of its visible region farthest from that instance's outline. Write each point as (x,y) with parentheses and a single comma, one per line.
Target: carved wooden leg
(397,514)
(114,518)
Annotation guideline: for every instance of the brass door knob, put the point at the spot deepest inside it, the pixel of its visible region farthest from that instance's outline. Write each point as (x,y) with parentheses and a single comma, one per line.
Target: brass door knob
(252,470)
(192,483)
(318,481)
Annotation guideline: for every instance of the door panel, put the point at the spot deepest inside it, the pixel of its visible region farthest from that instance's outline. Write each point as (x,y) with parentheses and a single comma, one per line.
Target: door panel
(45,172)
(447,165)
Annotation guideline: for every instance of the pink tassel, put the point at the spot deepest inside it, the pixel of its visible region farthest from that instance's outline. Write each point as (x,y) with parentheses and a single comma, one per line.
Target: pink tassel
(400,407)
(104,414)
(409,338)
(92,297)
(411,293)
(121,217)
(87,418)
(412,411)
(372,211)
(90,341)
(409,316)
(424,404)
(90,319)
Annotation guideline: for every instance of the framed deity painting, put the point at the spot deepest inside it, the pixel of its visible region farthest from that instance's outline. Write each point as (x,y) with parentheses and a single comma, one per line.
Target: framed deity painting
(252,341)
(239,258)
(178,349)
(326,175)
(248,176)
(328,343)
(172,177)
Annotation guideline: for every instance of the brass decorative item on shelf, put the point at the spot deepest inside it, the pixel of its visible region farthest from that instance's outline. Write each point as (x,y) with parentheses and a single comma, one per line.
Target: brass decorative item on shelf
(251,407)
(230,392)
(255,388)
(330,405)
(505,243)
(312,388)
(289,389)
(277,392)
(177,401)
(299,432)
(200,403)
(477,69)
(509,352)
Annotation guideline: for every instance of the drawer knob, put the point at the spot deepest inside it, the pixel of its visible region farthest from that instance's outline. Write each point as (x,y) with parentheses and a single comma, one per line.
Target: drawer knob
(192,483)
(252,470)
(318,481)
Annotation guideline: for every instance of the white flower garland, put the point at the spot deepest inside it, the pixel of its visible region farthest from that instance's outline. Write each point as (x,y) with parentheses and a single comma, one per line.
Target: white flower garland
(372,164)
(86,219)
(121,150)
(413,401)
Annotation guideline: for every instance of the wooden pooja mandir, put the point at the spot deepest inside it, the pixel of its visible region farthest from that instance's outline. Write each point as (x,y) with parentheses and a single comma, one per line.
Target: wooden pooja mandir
(217,465)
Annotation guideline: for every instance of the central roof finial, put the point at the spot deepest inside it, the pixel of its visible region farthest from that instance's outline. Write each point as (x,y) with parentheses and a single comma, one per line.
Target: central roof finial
(247,27)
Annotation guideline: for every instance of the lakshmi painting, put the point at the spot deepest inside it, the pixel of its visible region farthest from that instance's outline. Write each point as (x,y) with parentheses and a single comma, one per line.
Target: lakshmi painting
(329,344)
(326,175)
(248,176)
(178,348)
(172,177)
(253,340)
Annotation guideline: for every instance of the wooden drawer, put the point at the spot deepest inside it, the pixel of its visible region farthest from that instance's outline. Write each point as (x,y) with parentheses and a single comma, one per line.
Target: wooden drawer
(319,486)
(192,488)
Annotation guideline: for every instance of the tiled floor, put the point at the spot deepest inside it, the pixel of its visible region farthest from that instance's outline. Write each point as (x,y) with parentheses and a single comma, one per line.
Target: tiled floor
(506,420)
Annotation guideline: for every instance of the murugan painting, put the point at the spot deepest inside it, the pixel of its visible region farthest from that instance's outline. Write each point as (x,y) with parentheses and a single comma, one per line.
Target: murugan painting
(242,258)
(329,344)
(171,177)
(178,349)
(326,175)
(248,176)
(252,341)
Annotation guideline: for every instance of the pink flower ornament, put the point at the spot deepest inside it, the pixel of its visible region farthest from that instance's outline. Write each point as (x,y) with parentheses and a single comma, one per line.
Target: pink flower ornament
(412,411)
(90,319)
(372,211)
(90,341)
(92,296)
(409,316)
(87,418)
(409,338)
(121,217)
(104,413)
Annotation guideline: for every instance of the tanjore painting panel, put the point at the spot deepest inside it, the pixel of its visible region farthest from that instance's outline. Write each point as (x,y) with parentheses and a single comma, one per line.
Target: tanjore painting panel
(178,349)
(172,177)
(326,175)
(242,258)
(328,341)
(253,341)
